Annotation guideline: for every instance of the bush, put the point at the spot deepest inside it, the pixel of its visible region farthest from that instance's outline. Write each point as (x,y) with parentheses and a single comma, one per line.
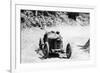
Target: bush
(42,19)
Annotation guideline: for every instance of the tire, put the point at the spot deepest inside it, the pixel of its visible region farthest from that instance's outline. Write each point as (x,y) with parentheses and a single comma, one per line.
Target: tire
(45,50)
(68,51)
(40,44)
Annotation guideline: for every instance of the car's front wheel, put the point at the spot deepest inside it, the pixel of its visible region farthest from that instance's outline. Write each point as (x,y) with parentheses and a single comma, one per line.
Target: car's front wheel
(68,51)
(45,50)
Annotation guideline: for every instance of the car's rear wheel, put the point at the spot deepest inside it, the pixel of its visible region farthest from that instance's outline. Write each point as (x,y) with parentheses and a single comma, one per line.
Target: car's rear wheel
(45,50)
(40,43)
(68,51)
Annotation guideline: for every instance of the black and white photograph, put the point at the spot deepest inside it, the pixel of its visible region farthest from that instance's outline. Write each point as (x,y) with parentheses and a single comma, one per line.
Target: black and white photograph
(54,36)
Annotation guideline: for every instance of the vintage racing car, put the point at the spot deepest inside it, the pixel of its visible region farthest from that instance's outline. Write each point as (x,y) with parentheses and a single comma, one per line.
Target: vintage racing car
(52,42)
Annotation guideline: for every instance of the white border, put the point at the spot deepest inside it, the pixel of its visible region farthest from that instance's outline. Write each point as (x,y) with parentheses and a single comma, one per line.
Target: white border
(15,40)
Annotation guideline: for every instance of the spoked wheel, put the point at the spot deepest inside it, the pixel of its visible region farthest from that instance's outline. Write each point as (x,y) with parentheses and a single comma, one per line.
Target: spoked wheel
(45,50)
(68,51)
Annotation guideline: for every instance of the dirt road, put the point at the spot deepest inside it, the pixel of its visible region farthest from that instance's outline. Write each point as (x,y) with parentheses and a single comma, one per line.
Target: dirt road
(76,35)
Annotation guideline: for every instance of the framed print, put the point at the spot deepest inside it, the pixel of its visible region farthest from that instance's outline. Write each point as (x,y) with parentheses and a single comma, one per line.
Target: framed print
(51,36)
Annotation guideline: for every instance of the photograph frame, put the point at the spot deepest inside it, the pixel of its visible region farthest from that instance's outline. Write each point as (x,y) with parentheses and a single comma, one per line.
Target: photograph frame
(16,67)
